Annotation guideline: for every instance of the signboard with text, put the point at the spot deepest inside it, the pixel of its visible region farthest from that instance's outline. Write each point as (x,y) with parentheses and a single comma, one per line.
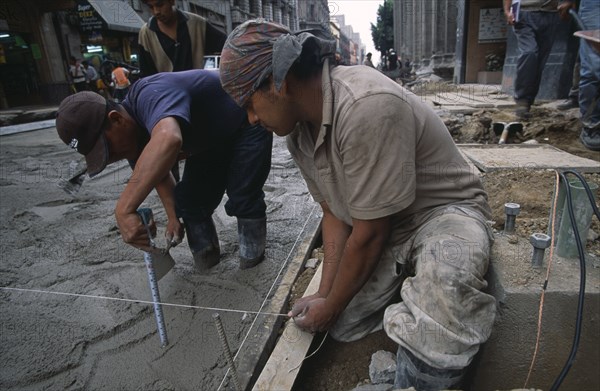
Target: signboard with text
(89,19)
(492,25)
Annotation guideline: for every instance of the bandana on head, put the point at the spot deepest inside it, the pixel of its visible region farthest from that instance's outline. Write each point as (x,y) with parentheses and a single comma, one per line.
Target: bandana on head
(257,49)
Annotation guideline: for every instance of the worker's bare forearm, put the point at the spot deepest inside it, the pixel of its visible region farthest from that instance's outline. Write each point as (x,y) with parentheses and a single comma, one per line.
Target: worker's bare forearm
(335,235)
(153,165)
(360,258)
(166,193)
(507,4)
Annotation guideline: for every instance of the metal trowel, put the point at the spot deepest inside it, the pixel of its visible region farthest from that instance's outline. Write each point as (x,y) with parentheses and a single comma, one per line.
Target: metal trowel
(162,261)
(73,184)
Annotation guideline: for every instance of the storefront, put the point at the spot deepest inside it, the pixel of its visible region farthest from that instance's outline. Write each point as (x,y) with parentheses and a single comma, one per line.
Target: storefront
(37,38)
(108,31)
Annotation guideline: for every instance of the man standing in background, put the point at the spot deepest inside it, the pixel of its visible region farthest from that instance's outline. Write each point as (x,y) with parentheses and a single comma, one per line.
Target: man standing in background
(91,75)
(175,40)
(368,61)
(534,26)
(77,73)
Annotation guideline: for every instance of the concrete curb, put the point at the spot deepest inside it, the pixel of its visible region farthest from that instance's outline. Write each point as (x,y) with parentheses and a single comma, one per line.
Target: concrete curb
(20,128)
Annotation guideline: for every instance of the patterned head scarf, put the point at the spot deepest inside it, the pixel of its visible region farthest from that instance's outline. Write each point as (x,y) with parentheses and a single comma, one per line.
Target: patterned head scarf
(257,49)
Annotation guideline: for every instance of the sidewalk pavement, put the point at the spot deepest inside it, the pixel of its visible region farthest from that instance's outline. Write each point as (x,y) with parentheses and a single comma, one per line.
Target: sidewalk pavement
(24,119)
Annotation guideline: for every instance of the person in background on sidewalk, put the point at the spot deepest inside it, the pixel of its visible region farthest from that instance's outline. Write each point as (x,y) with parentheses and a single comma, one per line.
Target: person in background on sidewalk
(589,77)
(396,221)
(170,116)
(91,76)
(77,73)
(535,31)
(121,83)
(368,61)
(174,40)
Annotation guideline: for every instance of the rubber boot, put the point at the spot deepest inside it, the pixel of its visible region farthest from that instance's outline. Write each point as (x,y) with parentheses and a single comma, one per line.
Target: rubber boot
(412,372)
(204,243)
(252,234)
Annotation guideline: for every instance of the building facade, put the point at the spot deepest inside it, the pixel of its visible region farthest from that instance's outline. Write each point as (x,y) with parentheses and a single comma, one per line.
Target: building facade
(425,33)
(313,14)
(469,41)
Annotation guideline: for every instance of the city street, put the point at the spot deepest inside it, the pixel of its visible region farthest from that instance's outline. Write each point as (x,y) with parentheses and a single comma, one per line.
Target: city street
(80,339)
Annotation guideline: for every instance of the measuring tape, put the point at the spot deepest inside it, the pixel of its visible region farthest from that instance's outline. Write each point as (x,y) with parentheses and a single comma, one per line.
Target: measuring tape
(146,216)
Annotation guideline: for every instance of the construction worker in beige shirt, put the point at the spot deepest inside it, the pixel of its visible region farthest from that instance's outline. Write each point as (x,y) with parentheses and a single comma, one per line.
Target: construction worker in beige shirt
(404,216)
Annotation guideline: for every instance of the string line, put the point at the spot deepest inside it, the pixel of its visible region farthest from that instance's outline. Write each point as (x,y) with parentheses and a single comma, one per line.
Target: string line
(6,288)
(269,292)
(259,312)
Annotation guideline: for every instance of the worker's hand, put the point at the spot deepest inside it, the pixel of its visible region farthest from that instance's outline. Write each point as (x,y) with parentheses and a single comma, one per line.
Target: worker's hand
(301,303)
(134,232)
(510,18)
(174,233)
(316,315)
(563,9)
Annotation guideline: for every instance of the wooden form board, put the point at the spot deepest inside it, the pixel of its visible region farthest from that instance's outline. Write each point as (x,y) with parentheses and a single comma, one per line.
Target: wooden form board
(284,364)
(254,355)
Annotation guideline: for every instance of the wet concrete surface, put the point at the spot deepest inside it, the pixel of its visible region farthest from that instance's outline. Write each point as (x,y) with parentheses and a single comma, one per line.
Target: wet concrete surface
(54,242)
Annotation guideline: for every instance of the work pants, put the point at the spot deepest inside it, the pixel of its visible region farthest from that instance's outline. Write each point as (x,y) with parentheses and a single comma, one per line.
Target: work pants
(535,32)
(239,167)
(439,268)
(589,83)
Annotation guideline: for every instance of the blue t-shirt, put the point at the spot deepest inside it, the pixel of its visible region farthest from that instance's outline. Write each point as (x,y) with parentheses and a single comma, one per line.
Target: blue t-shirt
(206,114)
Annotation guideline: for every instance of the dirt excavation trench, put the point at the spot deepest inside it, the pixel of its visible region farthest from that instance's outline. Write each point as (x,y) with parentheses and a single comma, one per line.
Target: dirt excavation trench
(55,242)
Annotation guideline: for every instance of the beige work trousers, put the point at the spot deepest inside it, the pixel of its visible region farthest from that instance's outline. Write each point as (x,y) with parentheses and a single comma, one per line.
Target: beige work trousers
(438,270)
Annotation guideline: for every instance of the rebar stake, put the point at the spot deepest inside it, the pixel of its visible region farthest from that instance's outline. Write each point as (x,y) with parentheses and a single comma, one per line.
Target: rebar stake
(228,356)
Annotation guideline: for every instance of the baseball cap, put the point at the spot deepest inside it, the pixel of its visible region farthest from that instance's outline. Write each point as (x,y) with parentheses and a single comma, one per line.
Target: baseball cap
(79,123)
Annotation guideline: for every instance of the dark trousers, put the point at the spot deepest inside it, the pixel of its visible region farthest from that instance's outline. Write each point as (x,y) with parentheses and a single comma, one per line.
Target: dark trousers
(240,167)
(589,84)
(535,36)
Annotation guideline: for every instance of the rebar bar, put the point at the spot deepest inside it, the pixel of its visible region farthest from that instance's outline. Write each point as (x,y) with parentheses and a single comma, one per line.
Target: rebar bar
(228,356)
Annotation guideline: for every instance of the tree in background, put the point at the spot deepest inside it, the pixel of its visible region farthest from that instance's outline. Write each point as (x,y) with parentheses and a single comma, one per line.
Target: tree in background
(383,32)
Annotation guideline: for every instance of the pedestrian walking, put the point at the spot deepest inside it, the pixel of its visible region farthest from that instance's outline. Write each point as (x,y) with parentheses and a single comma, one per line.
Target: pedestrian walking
(535,27)
(78,75)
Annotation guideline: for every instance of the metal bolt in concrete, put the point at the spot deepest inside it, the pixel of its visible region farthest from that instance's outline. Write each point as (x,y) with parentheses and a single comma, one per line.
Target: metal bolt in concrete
(540,243)
(512,210)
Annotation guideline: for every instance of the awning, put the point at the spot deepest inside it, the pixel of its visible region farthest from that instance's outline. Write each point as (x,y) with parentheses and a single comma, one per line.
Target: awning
(108,14)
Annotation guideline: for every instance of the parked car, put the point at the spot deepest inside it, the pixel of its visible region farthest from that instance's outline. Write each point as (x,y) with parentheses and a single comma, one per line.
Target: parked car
(212,62)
